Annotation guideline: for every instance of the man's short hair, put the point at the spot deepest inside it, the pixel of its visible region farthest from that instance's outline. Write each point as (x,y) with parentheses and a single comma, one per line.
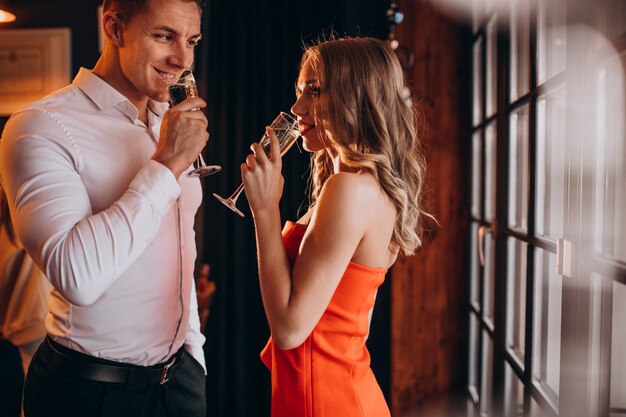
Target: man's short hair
(127,9)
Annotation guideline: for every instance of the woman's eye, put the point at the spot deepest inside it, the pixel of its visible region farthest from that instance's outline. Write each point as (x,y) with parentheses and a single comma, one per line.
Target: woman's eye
(309,89)
(315,90)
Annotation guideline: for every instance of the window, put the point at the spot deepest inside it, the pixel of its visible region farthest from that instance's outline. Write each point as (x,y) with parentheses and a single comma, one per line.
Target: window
(548,212)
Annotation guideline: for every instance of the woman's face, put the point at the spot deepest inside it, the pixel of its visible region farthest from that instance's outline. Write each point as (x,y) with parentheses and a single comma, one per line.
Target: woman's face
(309,107)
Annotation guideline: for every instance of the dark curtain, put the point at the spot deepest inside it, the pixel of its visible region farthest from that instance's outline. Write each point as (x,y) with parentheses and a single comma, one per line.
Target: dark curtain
(247,68)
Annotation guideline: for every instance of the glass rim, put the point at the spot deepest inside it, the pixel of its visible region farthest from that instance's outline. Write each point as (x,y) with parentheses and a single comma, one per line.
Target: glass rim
(290,117)
(185,77)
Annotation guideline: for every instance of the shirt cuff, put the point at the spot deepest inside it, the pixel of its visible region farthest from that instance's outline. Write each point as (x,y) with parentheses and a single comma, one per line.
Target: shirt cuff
(156,183)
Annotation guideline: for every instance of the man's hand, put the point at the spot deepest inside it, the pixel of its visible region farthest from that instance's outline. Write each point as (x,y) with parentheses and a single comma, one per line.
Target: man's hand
(183,135)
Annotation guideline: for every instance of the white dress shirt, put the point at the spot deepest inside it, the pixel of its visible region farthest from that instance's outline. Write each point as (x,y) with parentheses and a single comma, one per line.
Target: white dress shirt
(111,228)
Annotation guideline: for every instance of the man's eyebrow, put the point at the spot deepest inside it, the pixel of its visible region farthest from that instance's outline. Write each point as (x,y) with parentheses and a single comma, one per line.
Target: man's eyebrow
(166,28)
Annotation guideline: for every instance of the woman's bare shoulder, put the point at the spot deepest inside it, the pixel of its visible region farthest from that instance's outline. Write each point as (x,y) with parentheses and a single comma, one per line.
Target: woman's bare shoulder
(354,194)
(351,183)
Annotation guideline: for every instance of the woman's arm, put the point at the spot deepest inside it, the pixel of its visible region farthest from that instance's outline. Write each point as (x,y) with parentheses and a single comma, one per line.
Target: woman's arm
(295,300)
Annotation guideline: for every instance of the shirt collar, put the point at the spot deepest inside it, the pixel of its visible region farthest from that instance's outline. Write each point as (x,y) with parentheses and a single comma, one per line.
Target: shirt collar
(105,96)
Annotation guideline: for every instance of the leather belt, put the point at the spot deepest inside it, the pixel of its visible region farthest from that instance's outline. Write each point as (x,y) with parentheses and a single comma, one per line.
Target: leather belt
(83,366)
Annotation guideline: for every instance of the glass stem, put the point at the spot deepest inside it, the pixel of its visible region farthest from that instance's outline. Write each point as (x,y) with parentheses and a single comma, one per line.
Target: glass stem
(235,195)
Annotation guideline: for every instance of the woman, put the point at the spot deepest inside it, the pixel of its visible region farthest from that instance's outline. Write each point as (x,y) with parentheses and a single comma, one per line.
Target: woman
(319,279)
(24,292)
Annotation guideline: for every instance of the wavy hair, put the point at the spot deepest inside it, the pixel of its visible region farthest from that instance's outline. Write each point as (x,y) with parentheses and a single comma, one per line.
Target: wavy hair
(373,122)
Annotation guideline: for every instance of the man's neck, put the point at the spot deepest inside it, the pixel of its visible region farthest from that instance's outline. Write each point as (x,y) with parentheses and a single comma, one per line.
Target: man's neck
(110,71)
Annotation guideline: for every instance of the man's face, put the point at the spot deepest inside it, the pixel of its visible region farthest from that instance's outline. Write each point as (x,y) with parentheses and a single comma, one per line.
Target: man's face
(157,45)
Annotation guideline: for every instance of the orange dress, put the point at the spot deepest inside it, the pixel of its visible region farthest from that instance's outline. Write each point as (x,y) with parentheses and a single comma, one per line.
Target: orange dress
(329,375)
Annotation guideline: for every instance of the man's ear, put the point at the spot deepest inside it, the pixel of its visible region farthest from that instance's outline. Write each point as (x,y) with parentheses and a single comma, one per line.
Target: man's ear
(113,28)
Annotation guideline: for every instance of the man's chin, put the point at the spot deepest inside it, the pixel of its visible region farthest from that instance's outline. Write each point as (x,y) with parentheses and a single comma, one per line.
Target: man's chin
(161,97)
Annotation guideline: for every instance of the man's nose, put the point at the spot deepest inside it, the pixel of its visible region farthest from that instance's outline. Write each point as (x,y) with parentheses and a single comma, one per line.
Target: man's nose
(182,56)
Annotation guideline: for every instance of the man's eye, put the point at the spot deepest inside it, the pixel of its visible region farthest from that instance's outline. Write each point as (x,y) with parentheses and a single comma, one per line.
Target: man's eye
(194,42)
(164,38)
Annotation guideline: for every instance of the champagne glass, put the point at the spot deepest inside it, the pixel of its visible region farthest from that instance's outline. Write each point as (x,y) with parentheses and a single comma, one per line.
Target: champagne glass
(286,129)
(185,88)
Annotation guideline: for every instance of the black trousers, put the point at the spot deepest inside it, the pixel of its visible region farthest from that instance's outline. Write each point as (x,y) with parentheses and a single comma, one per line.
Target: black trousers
(51,391)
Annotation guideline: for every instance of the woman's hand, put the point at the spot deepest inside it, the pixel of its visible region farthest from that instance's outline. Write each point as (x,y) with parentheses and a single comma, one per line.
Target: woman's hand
(262,177)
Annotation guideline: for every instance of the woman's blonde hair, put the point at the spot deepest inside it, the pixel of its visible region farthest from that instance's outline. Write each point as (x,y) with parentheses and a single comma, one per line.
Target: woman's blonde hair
(373,123)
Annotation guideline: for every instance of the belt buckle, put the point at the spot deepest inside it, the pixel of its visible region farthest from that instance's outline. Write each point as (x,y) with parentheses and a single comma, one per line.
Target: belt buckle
(166,368)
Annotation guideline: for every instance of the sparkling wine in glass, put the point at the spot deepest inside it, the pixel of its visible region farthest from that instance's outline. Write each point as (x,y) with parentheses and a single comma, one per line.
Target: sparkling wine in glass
(286,129)
(185,88)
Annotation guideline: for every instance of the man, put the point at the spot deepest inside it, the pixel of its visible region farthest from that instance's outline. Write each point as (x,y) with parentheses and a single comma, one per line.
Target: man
(95,180)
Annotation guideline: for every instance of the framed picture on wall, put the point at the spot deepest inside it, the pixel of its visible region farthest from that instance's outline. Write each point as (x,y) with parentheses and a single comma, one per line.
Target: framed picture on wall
(33,63)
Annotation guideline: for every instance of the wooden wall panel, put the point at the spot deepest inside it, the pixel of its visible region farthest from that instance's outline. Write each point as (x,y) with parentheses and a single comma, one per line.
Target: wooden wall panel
(430,290)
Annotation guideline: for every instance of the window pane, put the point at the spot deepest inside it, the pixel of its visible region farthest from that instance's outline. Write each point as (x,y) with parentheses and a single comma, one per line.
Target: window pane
(547,325)
(478,12)
(477,72)
(516,299)
(490,172)
(489,279)
(491,66)
(477,159)
(550,164)
(475,270)
(513,393)
(518,170)
(618,347)
(474,358)
(520,41)
(596,373)
(550,39)
(486,386)
(535,409)
(610,172)
(601,173)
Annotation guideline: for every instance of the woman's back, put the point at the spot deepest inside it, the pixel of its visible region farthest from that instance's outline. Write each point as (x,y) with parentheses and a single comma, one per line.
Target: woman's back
(354,207)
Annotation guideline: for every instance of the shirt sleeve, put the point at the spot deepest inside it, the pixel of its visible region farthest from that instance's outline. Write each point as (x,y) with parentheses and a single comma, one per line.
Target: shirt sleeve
(81,253)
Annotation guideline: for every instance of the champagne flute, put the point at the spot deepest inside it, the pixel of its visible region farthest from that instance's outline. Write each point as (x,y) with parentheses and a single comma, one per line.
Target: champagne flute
(185,88)
(286,129)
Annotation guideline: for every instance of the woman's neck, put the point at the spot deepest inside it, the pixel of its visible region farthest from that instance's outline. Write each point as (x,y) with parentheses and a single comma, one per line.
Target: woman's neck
(339,166)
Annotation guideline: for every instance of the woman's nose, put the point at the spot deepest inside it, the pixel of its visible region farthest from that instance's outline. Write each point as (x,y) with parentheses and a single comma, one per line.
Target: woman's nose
(298,108)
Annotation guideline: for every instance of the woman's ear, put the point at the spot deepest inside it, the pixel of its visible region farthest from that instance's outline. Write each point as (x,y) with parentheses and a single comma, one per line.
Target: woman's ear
(112,28)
